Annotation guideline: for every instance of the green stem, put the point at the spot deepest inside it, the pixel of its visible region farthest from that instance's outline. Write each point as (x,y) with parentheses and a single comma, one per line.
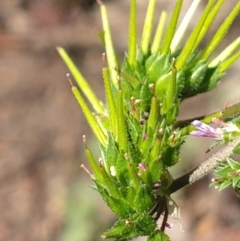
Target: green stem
(231,111)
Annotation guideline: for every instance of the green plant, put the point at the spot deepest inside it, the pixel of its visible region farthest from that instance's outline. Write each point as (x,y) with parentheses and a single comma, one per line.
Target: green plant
(136,129)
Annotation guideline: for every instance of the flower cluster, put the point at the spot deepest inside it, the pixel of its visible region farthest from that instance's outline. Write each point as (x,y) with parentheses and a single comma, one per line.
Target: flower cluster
(204,130)
(137,130)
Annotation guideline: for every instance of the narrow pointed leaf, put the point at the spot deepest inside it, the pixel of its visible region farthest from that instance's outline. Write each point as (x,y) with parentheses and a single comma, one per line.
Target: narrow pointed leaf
(217,38)
(171,28)
(94,165)
(132,45)
(90,118)
(111,56)
(226,53)
(154,114)
(159,32)
(148,24)
(122,133)
(184,24)
(227,63)
(82,83)
(171,92)
(190,44)
(110,101)
(209,21)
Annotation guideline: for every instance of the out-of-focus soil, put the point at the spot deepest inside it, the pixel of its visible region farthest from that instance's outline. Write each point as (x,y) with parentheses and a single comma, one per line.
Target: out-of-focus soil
(41,125)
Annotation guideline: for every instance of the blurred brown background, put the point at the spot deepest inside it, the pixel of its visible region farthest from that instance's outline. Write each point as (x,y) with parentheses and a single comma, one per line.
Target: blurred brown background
(44,195)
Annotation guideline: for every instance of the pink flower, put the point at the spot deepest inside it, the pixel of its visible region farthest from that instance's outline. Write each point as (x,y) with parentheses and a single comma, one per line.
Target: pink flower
(204,130)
